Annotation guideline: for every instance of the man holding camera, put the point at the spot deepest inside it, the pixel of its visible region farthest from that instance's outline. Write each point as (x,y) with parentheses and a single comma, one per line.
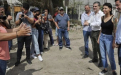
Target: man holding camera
(27,18)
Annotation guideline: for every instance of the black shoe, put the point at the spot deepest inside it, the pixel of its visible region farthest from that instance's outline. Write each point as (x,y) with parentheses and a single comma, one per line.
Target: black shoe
(69,48)
(46,48)
(29,61)
(100,64)
(114,73)
(85,56)
(17,63)
(93,61)
(60,48)
(103,72)
(120,71)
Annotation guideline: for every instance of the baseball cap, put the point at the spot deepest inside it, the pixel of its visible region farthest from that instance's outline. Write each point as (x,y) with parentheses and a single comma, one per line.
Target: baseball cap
(61,8)
(36,9)
(32,9)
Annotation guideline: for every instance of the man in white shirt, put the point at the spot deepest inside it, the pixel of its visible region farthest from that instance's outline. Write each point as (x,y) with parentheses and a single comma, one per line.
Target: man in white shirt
(86,28)
(95,23)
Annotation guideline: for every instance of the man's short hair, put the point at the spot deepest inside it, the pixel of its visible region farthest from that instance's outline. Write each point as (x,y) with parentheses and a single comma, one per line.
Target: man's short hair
(97,2)
(26,6)
(118,0)
(87,5)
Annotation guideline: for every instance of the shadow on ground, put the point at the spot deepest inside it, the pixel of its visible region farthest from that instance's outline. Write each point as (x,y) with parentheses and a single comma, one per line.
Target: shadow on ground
(82,49)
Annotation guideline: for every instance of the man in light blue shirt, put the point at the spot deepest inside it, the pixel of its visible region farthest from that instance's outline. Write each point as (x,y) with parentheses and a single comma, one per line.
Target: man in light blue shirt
(118,33)
(86,28)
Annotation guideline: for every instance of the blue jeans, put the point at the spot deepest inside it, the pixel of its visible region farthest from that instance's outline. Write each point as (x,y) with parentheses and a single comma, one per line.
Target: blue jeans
(63,32)
(3,65)
(86,35)
(10,44)
(35,45)
(51,37)
(106,42)
(40,39)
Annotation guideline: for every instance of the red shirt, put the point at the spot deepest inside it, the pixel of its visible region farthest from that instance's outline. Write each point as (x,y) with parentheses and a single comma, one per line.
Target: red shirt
(55,14)
(4,50)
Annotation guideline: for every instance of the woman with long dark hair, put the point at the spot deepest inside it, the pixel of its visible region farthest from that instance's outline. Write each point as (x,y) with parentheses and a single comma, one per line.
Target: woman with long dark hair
(106,39)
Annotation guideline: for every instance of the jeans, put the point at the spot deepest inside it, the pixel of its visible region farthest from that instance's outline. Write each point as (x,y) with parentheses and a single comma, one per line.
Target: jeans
(3,65)
(106,46)
(86,35)
(65,33)
(21,40)
(51,37)
(10,44)
(40,39)
(95,45)
(35,45)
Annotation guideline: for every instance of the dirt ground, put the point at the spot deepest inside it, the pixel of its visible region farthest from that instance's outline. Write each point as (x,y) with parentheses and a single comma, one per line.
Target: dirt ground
(56,62)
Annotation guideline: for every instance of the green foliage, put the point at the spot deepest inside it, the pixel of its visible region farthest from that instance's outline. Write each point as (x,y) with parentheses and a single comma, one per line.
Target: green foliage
(74,6)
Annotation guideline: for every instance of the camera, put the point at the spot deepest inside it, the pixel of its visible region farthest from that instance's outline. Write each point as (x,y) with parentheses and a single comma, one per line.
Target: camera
(22,15)
(3,17)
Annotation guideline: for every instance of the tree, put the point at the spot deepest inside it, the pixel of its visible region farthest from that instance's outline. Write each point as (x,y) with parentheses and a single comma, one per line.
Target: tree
(50,4)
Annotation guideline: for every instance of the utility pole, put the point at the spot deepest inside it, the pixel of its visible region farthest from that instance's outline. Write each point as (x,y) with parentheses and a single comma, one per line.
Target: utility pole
(12,9)
(66,4)
(79,13)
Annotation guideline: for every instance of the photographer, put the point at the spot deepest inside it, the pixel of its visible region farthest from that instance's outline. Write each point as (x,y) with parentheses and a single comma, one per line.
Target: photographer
(36,25)
(47,30)
(27,18)
(5,18)
(50,19)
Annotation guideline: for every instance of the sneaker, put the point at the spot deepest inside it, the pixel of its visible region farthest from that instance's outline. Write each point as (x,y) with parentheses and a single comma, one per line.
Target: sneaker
(40,58)
(29,61)
(7,68)
(46,48)
(69,48)
(17,63)
(55,44)
(60,48)
(33,56)
(103,72)
(114,73)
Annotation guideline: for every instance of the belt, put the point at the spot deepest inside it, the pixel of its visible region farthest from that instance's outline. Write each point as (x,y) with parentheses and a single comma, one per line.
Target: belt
(96,31)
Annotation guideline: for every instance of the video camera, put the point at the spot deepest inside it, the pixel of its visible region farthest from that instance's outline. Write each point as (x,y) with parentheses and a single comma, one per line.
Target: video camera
(3,17)
(22,15)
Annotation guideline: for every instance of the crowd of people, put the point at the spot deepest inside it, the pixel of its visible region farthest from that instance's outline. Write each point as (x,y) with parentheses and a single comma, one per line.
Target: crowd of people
(34,29)
(104,31)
